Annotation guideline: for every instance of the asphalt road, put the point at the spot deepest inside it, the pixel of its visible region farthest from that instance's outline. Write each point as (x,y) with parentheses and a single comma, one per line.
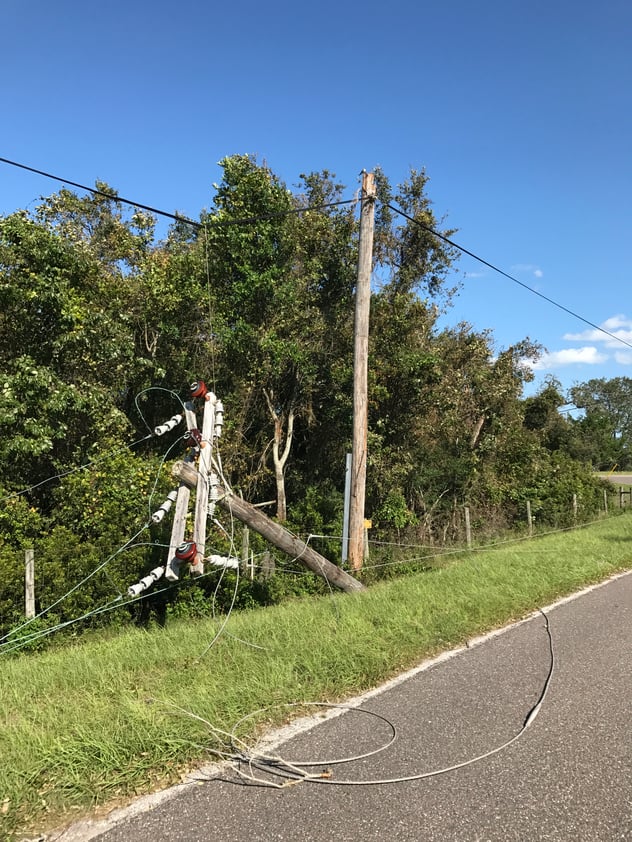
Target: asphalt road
(568,777)
(619,479)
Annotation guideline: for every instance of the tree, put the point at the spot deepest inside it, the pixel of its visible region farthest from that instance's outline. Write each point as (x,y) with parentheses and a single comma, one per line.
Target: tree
(541,414)
(411,257)
(63,352)
(276,285)
(102,329)
(96,222)
(607,422)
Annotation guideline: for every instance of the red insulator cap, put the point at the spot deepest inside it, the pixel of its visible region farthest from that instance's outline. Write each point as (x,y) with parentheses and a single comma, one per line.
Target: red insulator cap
(186,551)
(194,434)
(198,389)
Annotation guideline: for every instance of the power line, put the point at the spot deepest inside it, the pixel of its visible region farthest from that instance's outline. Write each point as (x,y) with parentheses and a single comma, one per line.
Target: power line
(507,275)
(75,587)
(293,771)
(9,646)
(254,219)
(97,192)
(83,467)
(177,217)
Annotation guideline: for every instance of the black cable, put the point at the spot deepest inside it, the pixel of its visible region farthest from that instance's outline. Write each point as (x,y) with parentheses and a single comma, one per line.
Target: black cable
(97,192)
(177,217)
(507,275)
(253,219)
(66,473)
(223,223)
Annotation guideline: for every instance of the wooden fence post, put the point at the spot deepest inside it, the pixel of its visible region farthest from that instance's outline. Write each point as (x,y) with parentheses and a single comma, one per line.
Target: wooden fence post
(267,565)
(605,501)
(468,527)
(29,584)
(529,518)
(574,506)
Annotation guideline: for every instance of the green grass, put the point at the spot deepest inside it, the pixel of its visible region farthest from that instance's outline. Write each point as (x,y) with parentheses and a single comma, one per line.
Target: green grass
(92,724)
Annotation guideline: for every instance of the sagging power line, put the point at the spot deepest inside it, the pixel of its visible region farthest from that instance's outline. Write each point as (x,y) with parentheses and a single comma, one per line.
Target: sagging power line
(113,196)
(484,262)
(293,211)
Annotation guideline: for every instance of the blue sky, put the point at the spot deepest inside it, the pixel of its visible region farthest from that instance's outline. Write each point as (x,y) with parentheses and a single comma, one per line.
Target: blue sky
(521,114)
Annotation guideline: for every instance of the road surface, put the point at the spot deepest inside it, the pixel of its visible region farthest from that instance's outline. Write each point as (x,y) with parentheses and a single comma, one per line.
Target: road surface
(568,777)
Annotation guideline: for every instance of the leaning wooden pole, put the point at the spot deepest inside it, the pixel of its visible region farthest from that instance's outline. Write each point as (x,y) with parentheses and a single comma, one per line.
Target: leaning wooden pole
(360,373)
(172,569)
(273,532)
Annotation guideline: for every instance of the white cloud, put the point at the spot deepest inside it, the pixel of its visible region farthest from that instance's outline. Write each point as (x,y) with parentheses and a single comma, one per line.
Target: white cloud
(588,355)
(597,347)
(619,326)
(532,268)
(615,322)
(585,336)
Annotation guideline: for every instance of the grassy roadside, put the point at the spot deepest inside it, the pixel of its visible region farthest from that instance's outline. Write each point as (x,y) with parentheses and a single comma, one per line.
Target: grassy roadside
(91,725)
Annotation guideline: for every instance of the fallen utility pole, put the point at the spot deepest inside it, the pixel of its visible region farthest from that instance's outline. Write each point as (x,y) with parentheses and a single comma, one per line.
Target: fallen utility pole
(360,373)
(272,532)
(172,568)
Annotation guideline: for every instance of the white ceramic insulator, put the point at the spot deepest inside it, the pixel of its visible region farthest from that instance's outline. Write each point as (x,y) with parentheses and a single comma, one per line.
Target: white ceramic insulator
(219,418)
(168,425)
(164,507)
(223,561)
(146,581)
(213,492)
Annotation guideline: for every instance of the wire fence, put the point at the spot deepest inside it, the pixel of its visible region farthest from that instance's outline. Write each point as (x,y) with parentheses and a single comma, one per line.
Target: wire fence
(265,575)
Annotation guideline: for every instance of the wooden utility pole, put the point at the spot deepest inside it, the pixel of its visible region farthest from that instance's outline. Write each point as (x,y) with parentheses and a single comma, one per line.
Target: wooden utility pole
(201,496)
(273,532)
(360,373)
(172,570)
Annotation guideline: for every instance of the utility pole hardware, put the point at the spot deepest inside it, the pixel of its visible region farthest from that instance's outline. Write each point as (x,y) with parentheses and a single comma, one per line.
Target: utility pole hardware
(273,532)
(210,491)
